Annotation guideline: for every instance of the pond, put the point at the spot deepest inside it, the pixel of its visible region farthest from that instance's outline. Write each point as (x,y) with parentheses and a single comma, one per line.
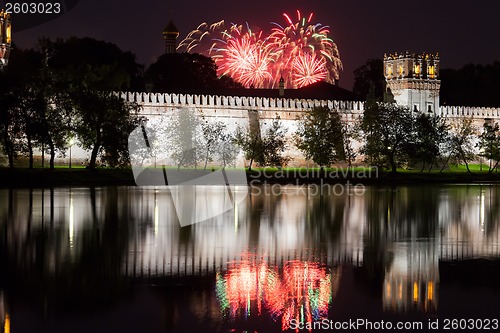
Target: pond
(287,258)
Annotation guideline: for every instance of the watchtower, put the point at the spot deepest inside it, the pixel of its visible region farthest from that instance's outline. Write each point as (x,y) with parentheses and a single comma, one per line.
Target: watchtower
(5,37)
(413,79)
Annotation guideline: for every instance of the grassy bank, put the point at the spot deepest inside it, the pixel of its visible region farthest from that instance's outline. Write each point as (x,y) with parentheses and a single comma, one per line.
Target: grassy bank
(63,176)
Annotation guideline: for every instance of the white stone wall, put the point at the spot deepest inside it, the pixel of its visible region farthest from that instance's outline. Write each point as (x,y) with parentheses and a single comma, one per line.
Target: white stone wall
(419,99)
(234,111)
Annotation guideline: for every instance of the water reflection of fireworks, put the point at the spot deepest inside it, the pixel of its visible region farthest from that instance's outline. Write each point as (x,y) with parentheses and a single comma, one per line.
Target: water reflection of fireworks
(301,290)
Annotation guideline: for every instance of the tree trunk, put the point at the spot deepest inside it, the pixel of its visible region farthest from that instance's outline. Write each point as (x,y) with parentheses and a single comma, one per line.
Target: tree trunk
(95,150)
(52,154)
(432,164)
(10,155)
(423,166)
(393,164)
(494,167)
(93,156)
(43,155)
(8,146)
(445,163)
(206,160)
(30,151)
(466,164)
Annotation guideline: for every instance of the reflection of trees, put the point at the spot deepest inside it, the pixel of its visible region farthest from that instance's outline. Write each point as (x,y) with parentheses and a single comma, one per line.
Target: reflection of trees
(262,207)
(62,266)
(492,211)
(396,214)
(325,215)
(470,216)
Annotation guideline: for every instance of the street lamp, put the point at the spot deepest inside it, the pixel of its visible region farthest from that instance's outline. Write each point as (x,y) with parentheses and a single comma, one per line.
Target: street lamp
(71,143)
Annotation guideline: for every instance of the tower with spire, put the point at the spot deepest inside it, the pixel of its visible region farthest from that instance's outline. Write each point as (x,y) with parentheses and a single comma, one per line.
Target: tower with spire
(5,37)
(170,33)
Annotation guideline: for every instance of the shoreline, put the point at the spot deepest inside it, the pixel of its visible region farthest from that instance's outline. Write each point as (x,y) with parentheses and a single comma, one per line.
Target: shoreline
(46,178)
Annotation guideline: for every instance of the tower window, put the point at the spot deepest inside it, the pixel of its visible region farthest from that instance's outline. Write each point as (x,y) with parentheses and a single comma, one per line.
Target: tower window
(389,71)
(416,70)
(431,72)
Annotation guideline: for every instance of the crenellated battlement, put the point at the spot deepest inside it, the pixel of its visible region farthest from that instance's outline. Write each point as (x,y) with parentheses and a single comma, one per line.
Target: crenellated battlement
(469,111)
(154,103)
(180,100)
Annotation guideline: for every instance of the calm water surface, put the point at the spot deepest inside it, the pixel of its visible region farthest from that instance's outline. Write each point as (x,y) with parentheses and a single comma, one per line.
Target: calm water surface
(116,259)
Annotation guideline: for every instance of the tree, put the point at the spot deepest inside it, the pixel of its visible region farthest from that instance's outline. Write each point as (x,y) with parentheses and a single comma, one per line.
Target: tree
(388,134)
(181,71)
(93,64)
(489,144)
(274,144)
(218,143)
(266,149)
(47,108)
(227,151)
(33,113)
(184,143)
(320,136)
(91,71)
(214,134)
(462,142)
(471,85)
(431,133)
(349,133)
(103,122)
(250,141)
(369,80)
(10,130)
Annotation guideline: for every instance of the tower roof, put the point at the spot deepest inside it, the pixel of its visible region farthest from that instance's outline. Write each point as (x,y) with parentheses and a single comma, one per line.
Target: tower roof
(171,29)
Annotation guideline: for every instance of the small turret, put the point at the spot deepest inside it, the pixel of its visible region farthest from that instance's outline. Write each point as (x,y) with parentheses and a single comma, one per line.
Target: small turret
(170,33)
(282,87)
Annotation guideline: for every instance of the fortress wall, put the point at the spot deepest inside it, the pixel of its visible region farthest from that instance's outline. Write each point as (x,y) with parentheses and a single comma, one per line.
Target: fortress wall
(158,103)
(233,110)
(469,111)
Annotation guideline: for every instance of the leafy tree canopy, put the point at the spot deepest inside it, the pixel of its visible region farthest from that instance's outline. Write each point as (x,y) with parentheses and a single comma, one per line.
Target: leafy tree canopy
(369,80)
(185,71)
(471,85)
(388,134)
(320,136)
(94,64)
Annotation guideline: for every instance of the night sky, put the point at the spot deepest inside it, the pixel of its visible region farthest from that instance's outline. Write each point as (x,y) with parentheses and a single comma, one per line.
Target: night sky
(461,31)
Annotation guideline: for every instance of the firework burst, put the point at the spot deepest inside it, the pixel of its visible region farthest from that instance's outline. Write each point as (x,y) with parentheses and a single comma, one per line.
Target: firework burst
(307,69)
(299,51)
(245,57)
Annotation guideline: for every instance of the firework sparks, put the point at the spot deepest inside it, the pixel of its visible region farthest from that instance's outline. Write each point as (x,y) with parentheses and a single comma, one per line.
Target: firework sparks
(301,52)
(308,69)
(245,58)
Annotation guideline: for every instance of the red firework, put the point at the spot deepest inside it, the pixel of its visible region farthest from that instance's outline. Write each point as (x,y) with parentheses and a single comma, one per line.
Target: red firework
(300,52)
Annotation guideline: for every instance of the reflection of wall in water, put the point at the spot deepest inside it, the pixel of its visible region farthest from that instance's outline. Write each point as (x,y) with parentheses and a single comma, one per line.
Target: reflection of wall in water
(275,227)
(469,222)
(412,280)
